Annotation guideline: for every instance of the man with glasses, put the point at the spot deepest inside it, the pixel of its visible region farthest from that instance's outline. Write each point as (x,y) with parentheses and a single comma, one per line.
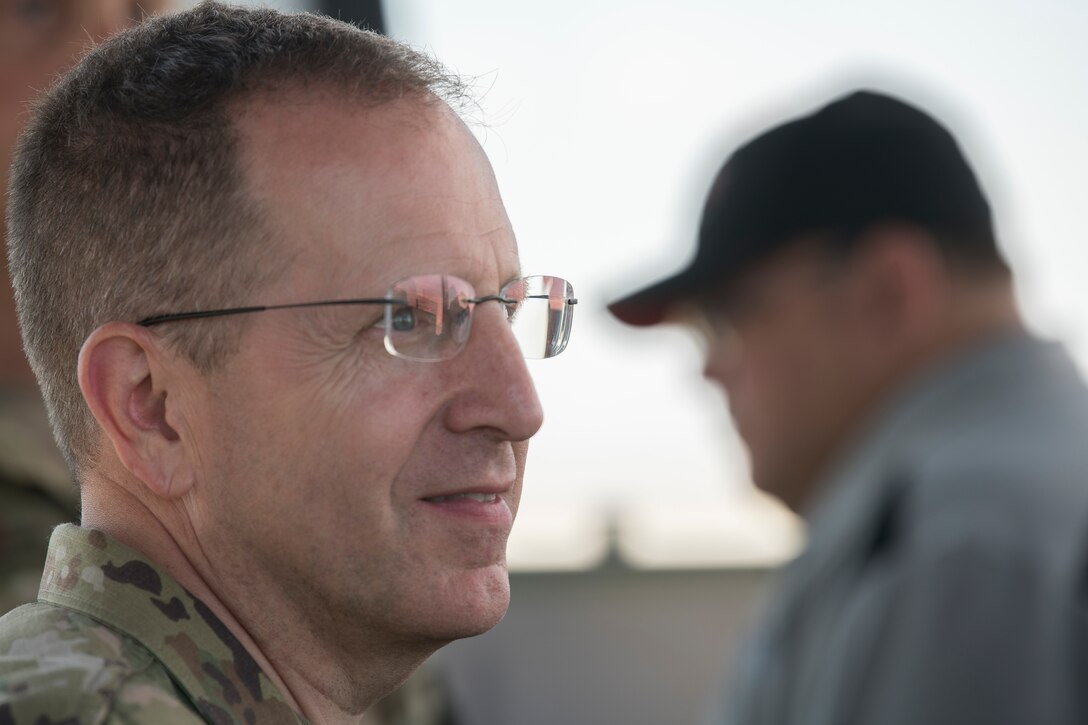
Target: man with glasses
(861,320)
(270,291)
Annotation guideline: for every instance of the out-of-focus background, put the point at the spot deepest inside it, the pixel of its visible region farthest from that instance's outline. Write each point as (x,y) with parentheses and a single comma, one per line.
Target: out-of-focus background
(641,549)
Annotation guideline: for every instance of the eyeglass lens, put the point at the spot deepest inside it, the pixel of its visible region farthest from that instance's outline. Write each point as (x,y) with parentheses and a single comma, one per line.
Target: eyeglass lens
(435,316)
(542,318)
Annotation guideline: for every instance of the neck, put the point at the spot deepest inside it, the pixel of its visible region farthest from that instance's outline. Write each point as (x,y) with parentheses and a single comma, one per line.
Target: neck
(976,311)
(326,682)
(969,316)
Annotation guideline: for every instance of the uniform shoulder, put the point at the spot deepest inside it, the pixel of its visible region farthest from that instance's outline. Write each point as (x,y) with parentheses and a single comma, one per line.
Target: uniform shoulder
(58,665)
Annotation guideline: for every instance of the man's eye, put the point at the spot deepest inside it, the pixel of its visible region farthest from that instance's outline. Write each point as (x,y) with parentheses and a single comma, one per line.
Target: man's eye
(512,310)
(404,319)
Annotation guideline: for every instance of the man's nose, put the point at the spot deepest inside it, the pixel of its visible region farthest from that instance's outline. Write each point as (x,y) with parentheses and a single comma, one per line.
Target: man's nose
(494,387)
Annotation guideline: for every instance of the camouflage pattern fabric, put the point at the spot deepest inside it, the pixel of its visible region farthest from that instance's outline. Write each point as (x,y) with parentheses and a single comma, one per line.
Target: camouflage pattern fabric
(36,494)
(113,639)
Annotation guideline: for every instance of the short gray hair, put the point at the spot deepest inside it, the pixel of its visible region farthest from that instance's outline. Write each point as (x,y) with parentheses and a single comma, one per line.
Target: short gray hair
(127,197)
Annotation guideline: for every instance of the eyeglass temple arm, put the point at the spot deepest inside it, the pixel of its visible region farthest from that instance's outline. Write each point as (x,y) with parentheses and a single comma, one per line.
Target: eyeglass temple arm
(203,314)
(156,319)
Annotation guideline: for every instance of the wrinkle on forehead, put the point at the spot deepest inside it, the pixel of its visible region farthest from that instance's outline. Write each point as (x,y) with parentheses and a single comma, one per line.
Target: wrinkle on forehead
(368,196)
(488,263)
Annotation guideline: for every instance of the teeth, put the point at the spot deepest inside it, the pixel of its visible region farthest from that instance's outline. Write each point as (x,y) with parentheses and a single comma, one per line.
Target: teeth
(481,497)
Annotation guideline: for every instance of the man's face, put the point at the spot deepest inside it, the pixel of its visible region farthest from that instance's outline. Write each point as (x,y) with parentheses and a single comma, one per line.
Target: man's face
(785,351)
(321,454)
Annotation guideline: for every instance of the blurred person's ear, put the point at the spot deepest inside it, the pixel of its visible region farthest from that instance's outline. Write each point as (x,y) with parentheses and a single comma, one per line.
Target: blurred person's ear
(900,285)
(136,398)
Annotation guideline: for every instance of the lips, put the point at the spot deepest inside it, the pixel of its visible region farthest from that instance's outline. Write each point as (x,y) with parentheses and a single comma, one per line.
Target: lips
(485,504)
(481,497)
(480,491)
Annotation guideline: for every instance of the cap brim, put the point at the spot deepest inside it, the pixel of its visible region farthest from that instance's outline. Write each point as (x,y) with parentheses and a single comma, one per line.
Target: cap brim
(651,305)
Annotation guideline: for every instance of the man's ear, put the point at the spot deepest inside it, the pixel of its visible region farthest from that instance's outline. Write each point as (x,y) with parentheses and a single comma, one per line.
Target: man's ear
(903,282)
(127,386)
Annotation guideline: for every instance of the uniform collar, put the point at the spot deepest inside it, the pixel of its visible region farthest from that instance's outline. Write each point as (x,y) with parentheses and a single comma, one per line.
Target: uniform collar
(91,573)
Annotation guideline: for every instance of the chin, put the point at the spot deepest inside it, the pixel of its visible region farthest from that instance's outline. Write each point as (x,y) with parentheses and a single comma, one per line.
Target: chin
(473,602)
(789,486)
(770,479)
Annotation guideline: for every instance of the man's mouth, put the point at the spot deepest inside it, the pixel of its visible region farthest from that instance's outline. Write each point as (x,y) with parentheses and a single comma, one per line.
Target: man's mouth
(481,497)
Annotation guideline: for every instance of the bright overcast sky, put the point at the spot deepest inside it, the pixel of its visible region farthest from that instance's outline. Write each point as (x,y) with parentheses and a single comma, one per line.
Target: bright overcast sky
(606,119)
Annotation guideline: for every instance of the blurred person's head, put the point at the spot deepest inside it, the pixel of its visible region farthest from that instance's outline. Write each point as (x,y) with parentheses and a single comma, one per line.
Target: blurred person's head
(354,467)
(39,39)
(839,255)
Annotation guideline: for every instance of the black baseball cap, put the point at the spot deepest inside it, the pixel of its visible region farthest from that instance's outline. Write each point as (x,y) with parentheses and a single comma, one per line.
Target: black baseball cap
(863,158)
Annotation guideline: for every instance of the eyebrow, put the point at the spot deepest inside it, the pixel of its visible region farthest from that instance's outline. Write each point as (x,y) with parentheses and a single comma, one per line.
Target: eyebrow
(519,274)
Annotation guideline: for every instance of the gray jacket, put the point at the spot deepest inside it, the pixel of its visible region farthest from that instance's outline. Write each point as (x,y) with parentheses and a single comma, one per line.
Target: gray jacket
(946,576)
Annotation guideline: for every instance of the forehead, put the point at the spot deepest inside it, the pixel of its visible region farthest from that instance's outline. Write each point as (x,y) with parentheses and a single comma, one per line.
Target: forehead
(359,197)
(800,259)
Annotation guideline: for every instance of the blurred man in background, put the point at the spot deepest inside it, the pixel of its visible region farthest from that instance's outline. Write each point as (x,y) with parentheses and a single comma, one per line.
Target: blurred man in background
(862,322)
(39,39)
(269,289)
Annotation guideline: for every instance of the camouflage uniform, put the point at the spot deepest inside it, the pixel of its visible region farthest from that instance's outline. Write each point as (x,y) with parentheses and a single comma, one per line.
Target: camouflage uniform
(36,494)
(112,639)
